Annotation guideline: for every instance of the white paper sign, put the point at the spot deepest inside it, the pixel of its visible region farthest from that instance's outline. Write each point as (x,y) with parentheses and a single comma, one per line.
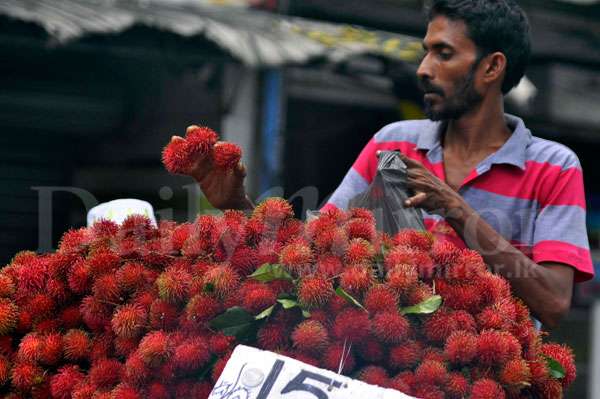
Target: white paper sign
(256,374)
(118,210)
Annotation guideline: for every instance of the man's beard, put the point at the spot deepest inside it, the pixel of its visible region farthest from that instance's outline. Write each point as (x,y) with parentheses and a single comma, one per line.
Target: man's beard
(464,98)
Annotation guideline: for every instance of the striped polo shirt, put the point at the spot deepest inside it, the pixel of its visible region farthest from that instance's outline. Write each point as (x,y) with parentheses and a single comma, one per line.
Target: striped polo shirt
(530,190)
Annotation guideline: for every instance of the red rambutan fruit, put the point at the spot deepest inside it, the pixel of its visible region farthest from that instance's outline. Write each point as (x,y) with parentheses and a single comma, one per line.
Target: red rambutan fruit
(461,347)
(64,381)
(435,354)
(499,316)
(177,157)
(273,211)
(191,355)
(361,228)
(467,266)
(362,213)
(244,260)
(409,256)
(460,296)
(174,285)
(390,327)
(371,351)
(106,289)
(9,316)
(76,345)
(201,139)
(332,359)
(329,266)
(226,155)
(7,286)
(30,348)
(79,278)
(136,371)
(40,306)
(444,322)
(496,348)
(131,277)
(515,373)
(492,288)
(123,391)
(444,252)
(457,386)
(105,373)
(297,258)
(563,355)
(157,390)
(163,315)
(332,240)
(406,355)
(431,372)
(374,375)
(381,298)
(103,262)
(487,389)
(550,389)
(155,348)
(5,368)
(310,336)
(418,293)
(202,308)
(129,321)
(314,291)
(180,235)
(52,350)
(57,290)
(74,241)
(220,343)
(402,278)
(353,325)
(25,376)
(258,298)
(221,280)
(359,251)
(420,240)
(356,279)
(273,336)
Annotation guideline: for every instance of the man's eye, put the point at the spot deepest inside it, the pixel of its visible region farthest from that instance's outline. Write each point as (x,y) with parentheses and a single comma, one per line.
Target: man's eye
(445,56)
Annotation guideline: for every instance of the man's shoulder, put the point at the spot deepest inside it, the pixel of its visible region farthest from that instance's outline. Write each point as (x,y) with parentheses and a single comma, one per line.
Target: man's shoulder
(551,153)
(408,130)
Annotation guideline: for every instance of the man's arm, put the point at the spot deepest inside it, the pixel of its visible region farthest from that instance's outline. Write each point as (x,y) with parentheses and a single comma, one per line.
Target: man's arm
(546,287)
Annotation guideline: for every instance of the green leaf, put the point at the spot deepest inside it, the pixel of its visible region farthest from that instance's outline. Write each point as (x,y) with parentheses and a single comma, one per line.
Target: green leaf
(288,303)
(269,272)
(429,305)
(265,313)
(235,322)
(305,313)
(341,293)
(556,369)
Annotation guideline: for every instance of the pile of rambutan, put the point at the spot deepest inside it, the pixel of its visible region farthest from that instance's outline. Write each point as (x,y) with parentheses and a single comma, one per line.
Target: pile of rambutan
(137,311)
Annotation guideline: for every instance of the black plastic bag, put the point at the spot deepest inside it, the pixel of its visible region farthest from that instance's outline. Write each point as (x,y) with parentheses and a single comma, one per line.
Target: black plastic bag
(386,195)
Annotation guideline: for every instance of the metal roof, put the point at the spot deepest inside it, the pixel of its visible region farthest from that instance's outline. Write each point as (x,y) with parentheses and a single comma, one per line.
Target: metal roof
(257,38)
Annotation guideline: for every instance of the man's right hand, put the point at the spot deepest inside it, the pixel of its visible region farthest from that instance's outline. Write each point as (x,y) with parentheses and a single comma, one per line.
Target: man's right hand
(224,189)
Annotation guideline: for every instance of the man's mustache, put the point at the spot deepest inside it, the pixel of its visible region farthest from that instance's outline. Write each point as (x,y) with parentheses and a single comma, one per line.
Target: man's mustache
(427,87)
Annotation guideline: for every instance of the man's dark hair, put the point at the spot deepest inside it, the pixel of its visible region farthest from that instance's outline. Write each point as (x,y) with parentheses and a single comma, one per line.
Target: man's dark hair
(493,25)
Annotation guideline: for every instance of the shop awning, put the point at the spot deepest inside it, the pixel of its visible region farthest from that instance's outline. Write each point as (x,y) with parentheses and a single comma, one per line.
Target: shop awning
(255,37)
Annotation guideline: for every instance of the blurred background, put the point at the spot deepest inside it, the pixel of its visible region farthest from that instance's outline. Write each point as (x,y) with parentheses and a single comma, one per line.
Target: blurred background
(92,90)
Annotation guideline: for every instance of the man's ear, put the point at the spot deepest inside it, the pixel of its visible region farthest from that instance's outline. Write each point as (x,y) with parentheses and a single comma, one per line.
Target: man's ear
(495,67)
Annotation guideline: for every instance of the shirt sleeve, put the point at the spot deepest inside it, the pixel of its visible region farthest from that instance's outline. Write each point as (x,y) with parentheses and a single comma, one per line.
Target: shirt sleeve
(357,179)
(560,233)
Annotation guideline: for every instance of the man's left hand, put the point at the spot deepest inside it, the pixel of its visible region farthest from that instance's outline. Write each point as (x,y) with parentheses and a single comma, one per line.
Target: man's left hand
(431,193)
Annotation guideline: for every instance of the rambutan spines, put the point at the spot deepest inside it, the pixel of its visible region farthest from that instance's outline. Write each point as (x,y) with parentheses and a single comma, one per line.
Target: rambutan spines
(105,373)
(76,345)
(461,347)
(563,355)
(419,240)
(431,372)
(353,325)
(201,139)
(9,316)
(374,375)
(129,321)
(487,389)
(310,336)
(356,279)
(390,327)
(380,298)
(26,376)
(314,291)
(297,258)
(226,155)
(64,381)
(337,355)
(155,348)
(174,285)
(257,298)
(190,355)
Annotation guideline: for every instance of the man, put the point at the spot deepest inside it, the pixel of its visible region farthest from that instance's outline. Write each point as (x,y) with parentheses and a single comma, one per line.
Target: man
(517,199)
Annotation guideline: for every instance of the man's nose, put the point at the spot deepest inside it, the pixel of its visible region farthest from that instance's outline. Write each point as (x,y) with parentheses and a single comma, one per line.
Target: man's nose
(425,72)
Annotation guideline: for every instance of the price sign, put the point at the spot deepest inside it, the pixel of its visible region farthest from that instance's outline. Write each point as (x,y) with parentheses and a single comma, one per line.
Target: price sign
(256,374)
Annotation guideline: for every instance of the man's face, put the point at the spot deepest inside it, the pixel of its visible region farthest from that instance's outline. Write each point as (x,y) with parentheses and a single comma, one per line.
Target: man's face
(447,73)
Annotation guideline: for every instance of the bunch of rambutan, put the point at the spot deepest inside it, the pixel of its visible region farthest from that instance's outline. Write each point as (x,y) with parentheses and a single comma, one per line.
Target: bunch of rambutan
(137,311)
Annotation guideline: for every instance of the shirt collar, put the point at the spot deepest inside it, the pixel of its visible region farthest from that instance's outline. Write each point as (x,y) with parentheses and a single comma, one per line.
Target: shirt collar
(512,152)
